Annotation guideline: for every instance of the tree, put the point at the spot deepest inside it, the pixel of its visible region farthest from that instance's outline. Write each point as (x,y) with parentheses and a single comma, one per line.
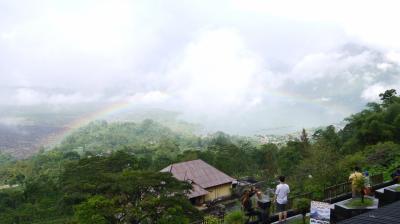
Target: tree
(304,137)
(388,97)
(329,136)
(305,142)
(382,154)
(289,157)
(266,159)
(152,197)
(112,189)
(96,210)
(319,169)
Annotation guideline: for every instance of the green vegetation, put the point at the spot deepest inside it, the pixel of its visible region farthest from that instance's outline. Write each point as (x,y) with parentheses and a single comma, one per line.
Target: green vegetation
(211,219)
(302,205)
(370,139)
(98,189)
(357,202)
(109,172)
(236,217)
(299,221)
(397,189)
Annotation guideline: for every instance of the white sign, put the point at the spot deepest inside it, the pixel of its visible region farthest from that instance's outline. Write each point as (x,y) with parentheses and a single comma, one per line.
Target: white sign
(320,212)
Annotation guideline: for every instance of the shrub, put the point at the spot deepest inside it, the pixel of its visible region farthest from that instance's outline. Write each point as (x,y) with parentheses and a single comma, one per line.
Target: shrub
(302,205)
(236,217)
(211,219)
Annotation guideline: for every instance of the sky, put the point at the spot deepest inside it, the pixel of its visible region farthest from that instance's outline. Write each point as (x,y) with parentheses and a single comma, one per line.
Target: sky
(240,66)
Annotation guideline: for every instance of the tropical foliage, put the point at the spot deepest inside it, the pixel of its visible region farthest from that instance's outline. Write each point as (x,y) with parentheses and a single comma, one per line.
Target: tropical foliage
(109,172)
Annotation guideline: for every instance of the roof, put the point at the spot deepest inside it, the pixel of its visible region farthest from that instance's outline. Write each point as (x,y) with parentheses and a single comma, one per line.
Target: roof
(386,215)
(197,191)
(200,173)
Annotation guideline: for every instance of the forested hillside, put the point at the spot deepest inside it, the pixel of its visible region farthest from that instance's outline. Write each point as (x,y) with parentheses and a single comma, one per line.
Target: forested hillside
(108,172)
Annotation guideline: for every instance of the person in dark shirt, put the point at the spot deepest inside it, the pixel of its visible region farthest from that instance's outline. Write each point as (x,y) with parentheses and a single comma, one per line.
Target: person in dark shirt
(245,200)
(396,175)
(248,205)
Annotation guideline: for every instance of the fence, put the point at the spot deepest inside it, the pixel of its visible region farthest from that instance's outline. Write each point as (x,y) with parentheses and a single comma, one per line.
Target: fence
(337,190)
(345,187)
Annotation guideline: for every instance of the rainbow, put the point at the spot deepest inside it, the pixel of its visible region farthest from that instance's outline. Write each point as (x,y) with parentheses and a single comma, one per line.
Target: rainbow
(120,106)
(315,102)
(104,112)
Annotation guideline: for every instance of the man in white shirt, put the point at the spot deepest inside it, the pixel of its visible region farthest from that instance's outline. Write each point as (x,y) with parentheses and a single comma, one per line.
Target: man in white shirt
(281,198)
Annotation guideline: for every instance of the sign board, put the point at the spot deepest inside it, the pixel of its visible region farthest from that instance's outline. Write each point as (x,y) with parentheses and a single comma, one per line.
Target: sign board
(320,212)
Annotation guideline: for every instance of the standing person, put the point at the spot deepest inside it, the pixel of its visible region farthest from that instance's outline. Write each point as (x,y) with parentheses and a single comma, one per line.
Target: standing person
(248,205)
(356,178)
(281,198)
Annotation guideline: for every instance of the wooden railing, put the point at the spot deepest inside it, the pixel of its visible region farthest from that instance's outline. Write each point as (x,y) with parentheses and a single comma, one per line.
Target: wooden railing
(376,179)
(337,190)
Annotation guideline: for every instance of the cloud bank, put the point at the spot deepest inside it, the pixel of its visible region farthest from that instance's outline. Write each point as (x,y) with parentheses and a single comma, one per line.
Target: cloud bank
(238,66)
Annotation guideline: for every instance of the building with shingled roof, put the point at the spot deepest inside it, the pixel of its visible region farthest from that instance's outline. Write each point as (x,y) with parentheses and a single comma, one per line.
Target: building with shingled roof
(208,182)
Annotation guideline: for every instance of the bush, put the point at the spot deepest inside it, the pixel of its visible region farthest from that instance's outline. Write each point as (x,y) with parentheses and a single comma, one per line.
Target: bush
(211,219)
(350,161)
(236,217)
(382,154)
(302,205)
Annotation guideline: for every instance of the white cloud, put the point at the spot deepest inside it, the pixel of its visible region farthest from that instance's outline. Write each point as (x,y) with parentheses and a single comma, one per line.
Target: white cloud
(393,56)
(371,22)
(148,98)
(371,93)
(27,97)
(384,66)
(224,61)
(325,99)
(216,73)
(8,35)
(331,64)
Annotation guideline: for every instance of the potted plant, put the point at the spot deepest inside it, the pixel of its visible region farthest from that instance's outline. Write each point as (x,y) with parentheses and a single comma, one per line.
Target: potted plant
(359,185)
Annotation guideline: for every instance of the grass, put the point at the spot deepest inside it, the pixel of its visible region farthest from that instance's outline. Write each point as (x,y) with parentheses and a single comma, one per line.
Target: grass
(397,189)
(358,203)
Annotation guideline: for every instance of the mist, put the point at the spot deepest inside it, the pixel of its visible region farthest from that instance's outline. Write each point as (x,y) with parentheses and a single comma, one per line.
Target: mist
(243,67)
